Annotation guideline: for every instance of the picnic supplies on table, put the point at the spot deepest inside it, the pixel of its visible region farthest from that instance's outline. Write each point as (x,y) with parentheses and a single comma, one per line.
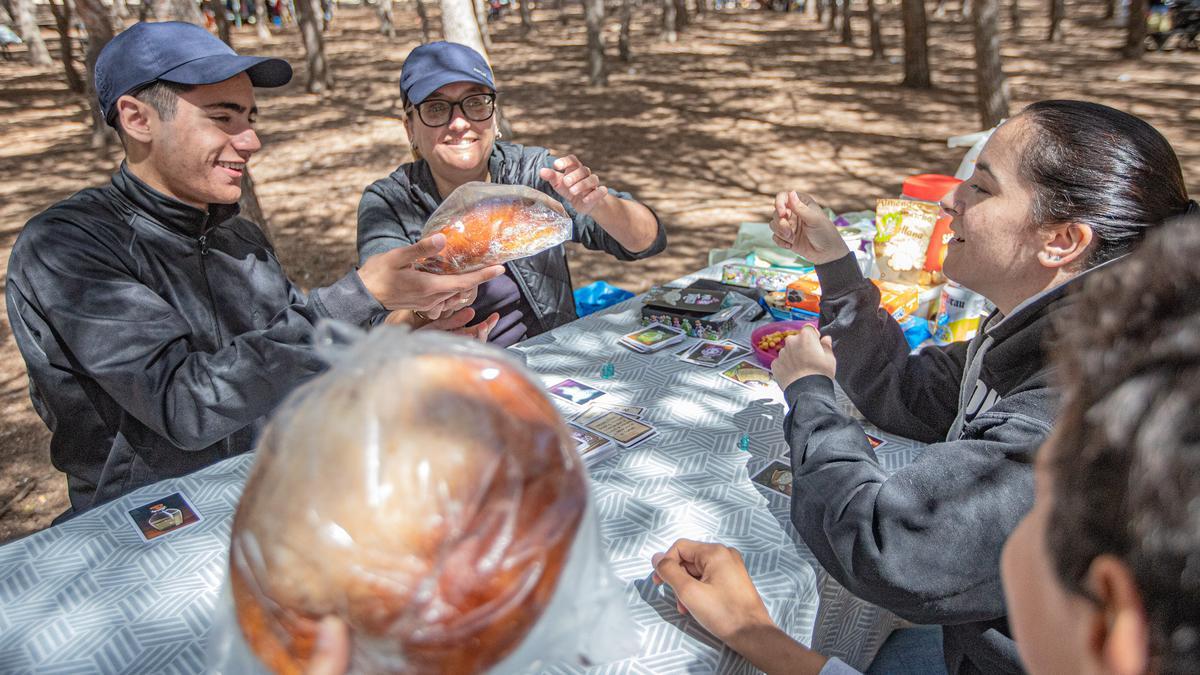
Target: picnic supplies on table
(489,224)
(452,510)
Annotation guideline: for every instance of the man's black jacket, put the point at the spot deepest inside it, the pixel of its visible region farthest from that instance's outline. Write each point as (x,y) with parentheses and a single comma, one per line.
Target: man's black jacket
(394,209)
(157,336)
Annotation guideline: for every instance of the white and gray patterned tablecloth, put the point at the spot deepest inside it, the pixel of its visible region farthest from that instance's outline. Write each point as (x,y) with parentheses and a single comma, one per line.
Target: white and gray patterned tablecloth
(91,596)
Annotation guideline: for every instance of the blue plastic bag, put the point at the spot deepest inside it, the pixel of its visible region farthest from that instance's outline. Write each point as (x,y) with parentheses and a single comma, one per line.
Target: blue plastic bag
(598,295)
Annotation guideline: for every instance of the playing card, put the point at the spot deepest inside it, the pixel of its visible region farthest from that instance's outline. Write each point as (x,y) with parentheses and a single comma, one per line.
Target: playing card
(777,476)
(708,353)
(738,352)
(586,441)
(597,410)
(574,392)
(163,516)
(623,429)
(748,375)
(652,338)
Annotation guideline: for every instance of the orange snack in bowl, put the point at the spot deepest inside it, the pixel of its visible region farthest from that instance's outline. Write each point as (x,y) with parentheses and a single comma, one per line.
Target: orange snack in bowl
(487,224)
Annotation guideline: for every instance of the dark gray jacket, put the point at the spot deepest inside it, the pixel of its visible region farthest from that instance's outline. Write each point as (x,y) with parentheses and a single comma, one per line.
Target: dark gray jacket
(157,336)
(394,209)
(924,542)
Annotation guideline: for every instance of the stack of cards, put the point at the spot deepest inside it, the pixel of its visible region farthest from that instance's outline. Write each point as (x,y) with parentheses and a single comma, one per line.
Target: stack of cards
(599,430)
(710,353)
(652,338)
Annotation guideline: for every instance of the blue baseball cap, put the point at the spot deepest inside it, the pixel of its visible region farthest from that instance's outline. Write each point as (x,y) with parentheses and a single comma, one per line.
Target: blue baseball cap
(178,52)
(437,64)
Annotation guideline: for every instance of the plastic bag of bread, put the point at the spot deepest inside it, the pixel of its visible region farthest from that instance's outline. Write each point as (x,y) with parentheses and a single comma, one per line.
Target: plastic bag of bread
(488,224)
(426,492)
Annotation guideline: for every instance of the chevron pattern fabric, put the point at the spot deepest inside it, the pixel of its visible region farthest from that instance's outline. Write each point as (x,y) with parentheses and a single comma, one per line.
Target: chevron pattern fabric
(91,596)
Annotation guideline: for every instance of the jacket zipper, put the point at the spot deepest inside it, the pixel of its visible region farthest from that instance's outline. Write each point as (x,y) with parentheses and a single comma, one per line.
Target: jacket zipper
(212,305)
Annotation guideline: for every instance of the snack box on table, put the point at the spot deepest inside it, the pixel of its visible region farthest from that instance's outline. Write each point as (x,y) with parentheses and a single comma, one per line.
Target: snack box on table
(699,312)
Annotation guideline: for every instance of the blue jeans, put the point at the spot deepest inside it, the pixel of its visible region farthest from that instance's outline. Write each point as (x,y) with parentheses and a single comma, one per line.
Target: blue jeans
(911,651)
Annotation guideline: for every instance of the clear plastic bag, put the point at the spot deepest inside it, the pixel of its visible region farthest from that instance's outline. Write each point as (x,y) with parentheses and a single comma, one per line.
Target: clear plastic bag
(488,224)
(426,492)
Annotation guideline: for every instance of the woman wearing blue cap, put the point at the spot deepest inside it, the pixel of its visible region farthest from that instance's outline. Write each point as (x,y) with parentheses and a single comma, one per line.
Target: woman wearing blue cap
(449,97)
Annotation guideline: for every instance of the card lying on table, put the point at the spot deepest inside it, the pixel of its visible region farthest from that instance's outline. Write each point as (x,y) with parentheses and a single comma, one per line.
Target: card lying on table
(597,410)
(163,516)
(592,447)
(777,477)
(574,392)
(625,430)
(708,353)
(748,375)
(652,338)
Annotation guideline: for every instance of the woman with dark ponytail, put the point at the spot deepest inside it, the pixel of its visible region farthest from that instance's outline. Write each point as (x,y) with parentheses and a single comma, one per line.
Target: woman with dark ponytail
(1060,190)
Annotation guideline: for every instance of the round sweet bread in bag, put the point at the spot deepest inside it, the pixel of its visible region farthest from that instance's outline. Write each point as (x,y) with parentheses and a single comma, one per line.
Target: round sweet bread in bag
(431,506)
(494,230)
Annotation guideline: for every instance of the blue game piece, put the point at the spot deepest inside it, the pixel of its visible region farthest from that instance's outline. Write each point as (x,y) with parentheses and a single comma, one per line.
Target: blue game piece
(744,443)
(607,371)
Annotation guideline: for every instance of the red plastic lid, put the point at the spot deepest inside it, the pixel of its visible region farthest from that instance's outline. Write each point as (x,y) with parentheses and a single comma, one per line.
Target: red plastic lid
(929,187)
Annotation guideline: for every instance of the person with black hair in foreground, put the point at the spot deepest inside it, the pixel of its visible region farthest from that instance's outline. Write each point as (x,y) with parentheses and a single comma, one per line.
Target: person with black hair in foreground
(1101,576)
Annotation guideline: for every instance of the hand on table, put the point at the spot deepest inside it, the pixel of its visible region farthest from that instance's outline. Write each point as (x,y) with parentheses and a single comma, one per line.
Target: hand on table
(800,225)
(576,183)
(803,354)
(391,278)
(711,583)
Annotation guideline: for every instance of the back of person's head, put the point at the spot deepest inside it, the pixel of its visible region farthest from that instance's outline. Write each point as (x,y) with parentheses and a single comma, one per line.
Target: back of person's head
(1095,165)
(1126,453)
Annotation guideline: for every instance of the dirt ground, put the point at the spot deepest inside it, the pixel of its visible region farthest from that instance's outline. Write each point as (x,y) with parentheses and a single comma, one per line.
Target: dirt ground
(704,130)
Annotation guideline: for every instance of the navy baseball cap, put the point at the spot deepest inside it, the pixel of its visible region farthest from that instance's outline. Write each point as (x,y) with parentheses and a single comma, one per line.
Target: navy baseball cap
(178,52)
(437,64)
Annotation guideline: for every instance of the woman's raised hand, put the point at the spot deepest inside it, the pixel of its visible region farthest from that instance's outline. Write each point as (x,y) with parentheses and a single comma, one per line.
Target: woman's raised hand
(800,225)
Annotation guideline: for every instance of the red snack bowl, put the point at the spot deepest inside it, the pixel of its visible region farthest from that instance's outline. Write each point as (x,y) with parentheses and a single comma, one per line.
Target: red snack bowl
(767,357)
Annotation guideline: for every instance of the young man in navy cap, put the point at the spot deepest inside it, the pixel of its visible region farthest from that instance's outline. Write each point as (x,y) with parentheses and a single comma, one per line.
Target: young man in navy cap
(449,98)
(157,326)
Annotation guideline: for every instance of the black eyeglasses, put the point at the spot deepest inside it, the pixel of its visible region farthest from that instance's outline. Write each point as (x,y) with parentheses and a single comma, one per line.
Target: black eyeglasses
(477,108)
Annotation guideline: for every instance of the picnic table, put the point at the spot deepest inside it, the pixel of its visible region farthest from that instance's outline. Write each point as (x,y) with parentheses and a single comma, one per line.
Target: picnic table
(91,595)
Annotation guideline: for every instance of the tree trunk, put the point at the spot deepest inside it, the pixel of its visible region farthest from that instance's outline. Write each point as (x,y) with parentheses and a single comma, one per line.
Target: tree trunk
(1135,37)
(62,22)
(30,32)
(701,7)
(966,10)
(623,43)
(386,26)
(916,45)
(593,14)
(424,16)
(669,32)
(991,96)
(833,15)
(262,19)
(180,10)
(1057,8)
(822,7)
(1110,8)
(96,19)
(1014,15)
(481,17)
(120,12)
(877,50)
(847,30)
(310,18)
(526,18)
(460,25)
(681,15)
(217,7)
